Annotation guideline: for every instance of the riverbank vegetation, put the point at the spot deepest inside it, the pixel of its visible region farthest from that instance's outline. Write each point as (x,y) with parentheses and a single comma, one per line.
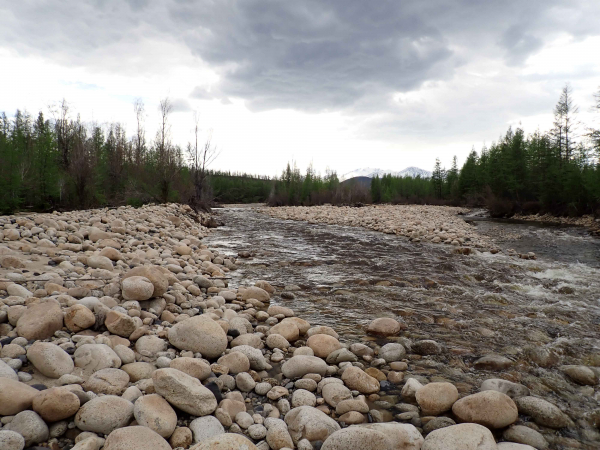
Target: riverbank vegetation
(65,163)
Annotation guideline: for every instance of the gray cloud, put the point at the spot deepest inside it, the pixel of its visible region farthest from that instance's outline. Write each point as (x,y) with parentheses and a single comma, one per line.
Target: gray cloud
(308,55)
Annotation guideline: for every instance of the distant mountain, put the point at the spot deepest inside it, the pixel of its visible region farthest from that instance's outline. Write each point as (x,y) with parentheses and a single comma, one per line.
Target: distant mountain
(368,172)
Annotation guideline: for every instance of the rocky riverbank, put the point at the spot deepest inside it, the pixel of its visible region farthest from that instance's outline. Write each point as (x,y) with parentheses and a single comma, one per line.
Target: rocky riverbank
(119,330)
(587,221)
(435,224)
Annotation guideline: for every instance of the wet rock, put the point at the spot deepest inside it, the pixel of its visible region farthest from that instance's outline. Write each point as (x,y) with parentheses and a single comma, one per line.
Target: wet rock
(492,409)
(104,414)
(199,334)
(542,412)
(298,366)
(357,379)
(205,428)
(40,321)
(154,412)
(31,426)
(384,327)
(427,347)
(525,435)
(493,362)
(135,438)
(11,440)
(227,441)
(15,396)
(184,392)
(51,360)
(513,390)
(581,374)
(56,404)
(465,436)
(436,398)
(254,292)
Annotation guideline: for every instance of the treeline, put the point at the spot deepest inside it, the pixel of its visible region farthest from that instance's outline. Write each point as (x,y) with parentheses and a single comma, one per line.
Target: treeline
(293,188)
(66,163)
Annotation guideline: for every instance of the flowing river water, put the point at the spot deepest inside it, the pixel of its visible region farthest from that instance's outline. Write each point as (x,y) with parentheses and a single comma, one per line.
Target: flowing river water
(530,311)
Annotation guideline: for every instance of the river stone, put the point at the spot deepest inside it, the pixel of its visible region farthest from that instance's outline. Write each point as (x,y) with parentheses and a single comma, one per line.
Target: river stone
(334,393)
(436,398)
(184,392)
(320,330)
(392,352)
(427,347)
(438,422)
(323,345)
(107,381)
(227,441)
(255,356)
(542,412)
(205,428)
(357,438)
(298,366)
(120,323)
(137,288)
(7,372)
(401,436)
(355,378)
(154,412)
(465,436)
(236,362)
(493,362)
(581,374)
(135,438)
(358,405)
(15,396)
(94,357)
(79,317)
(492,409)
(513,390)
(384,326)
(302,397)
(513,446)
(40,321)
(100,262)
(278,436)
(199,334)
(251,340)
(104,414)
(56,404)
(277,341)
(50,360)
(288,330)
(305,422)
(31,426)
(254,292)
(150,345)
(11,440)
(341,355)
(525,435)
(153,273)
(192,366)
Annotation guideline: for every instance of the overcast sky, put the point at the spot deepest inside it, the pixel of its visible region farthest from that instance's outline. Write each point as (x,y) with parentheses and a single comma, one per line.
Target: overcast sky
(345,83)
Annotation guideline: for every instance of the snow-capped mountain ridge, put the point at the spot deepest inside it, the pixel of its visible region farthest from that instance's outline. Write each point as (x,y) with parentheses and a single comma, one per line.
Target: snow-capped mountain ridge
(370,173)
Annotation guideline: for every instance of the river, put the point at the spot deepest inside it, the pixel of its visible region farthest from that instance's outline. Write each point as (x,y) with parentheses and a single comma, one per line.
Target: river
(473,305)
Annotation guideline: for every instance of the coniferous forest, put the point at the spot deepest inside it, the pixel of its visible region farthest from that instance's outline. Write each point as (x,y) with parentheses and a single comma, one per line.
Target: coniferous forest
(61,162)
